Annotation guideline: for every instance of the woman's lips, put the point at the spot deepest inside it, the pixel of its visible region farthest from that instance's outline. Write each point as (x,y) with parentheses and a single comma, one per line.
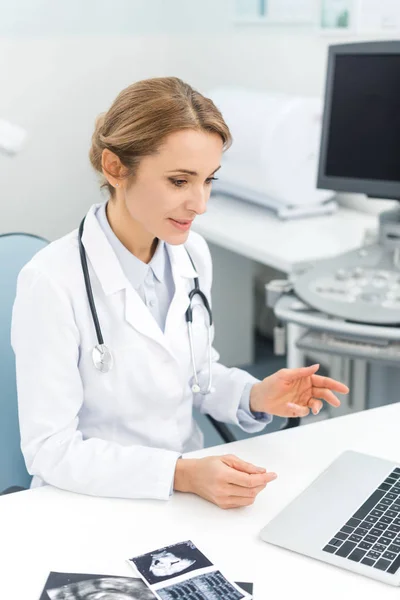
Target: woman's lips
(181,224)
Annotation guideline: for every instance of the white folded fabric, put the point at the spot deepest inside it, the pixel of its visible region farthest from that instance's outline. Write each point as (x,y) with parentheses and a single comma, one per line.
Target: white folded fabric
(274,156)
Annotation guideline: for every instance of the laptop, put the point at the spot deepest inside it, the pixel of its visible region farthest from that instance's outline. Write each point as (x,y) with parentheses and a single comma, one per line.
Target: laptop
(357,524)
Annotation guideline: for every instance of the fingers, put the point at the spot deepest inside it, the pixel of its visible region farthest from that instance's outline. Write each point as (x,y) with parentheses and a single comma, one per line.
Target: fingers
(245,480)
(326,382)
(237,463)
(235,499)
(325,394)
(253,477)
(296,410)
(318,381)
(234,488)
(315,406)
(314,403)
(239,492)
(293,374)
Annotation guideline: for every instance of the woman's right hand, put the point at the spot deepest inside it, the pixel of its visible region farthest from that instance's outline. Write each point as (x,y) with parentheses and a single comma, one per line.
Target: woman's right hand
(227,481)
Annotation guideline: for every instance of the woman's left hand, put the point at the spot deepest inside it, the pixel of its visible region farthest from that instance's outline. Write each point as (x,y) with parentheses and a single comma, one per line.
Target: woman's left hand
(294,392)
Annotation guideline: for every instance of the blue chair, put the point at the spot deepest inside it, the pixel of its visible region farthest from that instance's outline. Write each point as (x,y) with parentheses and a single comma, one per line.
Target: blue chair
(16,249)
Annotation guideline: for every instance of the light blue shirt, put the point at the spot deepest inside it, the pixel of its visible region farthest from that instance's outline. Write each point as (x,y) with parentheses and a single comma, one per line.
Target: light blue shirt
(155,285)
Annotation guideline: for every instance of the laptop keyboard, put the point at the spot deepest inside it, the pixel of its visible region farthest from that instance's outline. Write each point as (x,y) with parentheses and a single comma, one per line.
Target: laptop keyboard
(372,535)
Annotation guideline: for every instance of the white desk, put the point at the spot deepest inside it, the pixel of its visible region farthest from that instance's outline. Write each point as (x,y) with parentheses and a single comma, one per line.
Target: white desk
(240,233)
(255,233)
(47,529)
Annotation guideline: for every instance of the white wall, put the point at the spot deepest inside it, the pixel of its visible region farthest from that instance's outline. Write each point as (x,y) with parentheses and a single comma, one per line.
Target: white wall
(55,89)
(62,63)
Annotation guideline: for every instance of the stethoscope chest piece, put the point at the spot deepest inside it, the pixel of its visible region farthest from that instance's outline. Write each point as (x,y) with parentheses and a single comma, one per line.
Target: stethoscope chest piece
(196,389)
(102,358)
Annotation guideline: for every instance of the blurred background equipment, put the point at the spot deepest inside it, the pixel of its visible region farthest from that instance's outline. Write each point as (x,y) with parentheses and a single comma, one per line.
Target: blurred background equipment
(348,307)
(274,158)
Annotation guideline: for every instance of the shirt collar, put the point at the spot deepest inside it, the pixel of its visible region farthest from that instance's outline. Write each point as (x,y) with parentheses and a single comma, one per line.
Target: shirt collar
(105,262)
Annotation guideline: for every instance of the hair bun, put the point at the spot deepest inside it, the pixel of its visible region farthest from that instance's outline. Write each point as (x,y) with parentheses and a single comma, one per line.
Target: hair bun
(97,147)
(99,124)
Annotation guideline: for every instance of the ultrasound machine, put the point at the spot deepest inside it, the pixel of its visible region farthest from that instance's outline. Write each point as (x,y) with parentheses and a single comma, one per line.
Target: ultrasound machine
(348,307)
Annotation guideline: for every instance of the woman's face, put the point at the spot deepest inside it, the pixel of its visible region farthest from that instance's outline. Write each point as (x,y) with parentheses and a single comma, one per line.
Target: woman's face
(173,186)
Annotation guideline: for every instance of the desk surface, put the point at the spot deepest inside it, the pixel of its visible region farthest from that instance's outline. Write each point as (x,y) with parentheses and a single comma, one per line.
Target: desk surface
(48,529)
(254,232)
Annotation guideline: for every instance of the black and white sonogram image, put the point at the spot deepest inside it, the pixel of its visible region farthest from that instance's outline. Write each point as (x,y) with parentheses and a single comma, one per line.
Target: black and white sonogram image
(169,562)
(210,586)
(70,586)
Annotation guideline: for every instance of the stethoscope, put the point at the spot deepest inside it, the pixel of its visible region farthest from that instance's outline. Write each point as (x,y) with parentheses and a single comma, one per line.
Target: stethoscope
(101,354)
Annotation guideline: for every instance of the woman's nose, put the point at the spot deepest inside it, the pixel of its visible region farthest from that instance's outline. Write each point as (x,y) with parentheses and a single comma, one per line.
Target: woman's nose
(198,202)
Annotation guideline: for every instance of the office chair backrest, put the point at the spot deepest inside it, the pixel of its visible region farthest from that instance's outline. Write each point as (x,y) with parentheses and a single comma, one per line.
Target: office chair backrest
(16,249)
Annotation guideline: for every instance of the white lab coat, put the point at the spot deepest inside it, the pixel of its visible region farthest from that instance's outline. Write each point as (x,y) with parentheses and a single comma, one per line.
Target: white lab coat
(120,433)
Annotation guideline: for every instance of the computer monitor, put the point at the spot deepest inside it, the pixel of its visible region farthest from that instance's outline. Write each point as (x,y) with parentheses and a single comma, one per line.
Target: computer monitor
(360,142)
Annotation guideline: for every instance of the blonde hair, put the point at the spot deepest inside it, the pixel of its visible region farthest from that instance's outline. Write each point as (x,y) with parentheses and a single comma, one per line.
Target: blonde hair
(145,113)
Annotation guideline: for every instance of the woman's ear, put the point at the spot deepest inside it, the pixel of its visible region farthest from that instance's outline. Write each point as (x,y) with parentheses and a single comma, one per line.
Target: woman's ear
(113,169)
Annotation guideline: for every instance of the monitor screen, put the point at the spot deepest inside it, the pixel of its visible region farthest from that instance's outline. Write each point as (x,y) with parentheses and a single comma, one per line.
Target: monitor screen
(360,148)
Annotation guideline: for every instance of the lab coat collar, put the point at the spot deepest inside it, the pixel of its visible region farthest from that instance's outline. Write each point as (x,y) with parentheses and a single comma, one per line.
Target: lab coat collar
(180,261)
(158,262)
(107,266)
(112,279)
(101,255)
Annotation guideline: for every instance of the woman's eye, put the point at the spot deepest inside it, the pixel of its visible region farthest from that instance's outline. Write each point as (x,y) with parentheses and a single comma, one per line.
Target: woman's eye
(181,182)
(178,182)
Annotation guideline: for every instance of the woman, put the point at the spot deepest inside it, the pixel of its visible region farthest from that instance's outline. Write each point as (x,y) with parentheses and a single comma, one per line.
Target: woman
(116,424)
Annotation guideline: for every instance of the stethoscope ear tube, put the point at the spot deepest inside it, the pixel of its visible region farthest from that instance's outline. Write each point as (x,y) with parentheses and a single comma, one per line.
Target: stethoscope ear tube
(89,291)
(101,355)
